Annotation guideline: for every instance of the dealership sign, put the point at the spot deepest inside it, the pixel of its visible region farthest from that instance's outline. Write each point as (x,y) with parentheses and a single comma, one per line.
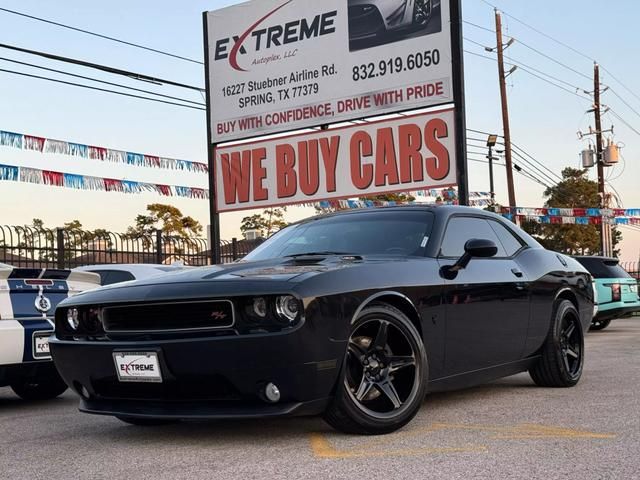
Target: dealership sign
(407,153)
(278,65)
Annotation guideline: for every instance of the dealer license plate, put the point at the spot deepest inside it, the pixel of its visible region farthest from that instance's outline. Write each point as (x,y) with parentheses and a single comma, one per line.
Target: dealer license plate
(41,345)
(137,367)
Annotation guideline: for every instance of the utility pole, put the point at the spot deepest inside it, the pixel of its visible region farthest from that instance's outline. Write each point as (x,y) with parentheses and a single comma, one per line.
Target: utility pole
(604,228)
(505,110)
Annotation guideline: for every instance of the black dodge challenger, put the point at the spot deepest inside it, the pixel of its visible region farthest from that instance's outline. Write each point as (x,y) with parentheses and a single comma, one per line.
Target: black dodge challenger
(354,315)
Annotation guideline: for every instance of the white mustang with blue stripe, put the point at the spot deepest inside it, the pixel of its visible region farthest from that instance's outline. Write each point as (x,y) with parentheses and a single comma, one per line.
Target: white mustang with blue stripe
(28,298)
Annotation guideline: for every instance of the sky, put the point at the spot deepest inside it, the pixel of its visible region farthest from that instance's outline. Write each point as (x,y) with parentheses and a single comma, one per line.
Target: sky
(544,118)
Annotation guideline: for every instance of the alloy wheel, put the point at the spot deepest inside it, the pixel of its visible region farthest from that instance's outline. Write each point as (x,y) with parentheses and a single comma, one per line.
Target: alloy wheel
(382,372)
(571,345)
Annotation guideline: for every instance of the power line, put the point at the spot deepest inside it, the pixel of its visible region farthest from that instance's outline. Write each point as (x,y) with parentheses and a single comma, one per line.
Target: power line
(553,59)
(622,84)
(99,35)
(521,64)
(624,121)
(62,72)
(104,68)
(624,101)
(100,89)
(539,32)
(479,26)
(530,72)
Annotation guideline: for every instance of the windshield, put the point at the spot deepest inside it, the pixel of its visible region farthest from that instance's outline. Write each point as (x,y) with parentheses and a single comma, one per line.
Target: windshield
(389,232)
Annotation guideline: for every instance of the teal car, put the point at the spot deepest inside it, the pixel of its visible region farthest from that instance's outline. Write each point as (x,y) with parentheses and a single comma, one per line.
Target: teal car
(617,291)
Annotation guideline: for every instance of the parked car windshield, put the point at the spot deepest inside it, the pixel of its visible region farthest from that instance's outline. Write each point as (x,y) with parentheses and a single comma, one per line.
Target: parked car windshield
(390,232)
(603,268)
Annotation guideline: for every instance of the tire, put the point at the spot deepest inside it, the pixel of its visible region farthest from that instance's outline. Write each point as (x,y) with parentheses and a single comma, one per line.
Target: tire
(563,350)
(599,324)
(40,388)
(145,422)
(384,375)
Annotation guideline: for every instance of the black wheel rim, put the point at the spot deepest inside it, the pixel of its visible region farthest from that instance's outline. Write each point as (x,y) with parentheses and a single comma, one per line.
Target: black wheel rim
(382,369)
(571,344)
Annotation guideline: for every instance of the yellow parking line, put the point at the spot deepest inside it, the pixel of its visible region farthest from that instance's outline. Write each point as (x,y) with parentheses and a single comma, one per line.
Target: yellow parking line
(322,448)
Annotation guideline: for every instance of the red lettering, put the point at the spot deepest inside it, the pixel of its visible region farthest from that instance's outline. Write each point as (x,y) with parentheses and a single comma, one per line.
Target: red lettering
(236,170)
(386,163)
(309,167)
(361,146)
(438,166)
(410,139)
(285,168)
(259,174)
(330,148)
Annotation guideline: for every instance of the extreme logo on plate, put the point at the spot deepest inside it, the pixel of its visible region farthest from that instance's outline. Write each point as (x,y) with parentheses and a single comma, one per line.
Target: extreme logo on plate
(137,367)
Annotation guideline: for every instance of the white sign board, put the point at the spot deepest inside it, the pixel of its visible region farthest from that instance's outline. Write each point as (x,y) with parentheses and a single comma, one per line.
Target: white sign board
(279,65)
(407,153)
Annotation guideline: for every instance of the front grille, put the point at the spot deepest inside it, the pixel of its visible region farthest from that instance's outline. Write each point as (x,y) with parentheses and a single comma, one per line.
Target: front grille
(169,317)
(184,389)
(364,20)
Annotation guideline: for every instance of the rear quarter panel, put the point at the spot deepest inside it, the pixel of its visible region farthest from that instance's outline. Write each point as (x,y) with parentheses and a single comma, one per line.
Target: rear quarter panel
(550,278)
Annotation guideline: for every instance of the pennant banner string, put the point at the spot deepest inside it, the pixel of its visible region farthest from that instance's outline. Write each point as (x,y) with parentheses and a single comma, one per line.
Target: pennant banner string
(12,173)
(61,147)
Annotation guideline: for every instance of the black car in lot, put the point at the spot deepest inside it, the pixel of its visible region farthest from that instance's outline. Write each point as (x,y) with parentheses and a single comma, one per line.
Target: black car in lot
(353,315)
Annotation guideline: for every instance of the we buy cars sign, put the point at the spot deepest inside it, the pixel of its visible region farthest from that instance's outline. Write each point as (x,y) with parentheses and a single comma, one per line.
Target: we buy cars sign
(279,65)
(407,153)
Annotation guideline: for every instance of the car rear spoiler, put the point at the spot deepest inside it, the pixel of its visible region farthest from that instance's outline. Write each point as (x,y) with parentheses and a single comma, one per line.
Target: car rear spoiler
(48,274)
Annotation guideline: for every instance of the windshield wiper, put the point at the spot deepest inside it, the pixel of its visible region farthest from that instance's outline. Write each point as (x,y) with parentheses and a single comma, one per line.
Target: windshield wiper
(321,253)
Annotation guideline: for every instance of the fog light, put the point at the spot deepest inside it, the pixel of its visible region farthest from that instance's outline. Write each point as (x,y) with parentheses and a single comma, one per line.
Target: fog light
(73,318)
(288,308)
(260,307)
(272,393)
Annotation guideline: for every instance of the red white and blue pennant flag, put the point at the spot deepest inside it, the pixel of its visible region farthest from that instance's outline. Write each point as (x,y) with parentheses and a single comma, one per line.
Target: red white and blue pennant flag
(61,147)
(83,182)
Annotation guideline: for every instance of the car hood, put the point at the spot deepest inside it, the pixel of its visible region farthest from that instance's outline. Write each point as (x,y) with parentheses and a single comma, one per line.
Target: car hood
(269,276)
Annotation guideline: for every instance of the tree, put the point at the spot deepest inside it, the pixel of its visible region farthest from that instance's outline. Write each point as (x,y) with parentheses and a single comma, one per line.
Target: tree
(167,218)
(574,191)
(266,223)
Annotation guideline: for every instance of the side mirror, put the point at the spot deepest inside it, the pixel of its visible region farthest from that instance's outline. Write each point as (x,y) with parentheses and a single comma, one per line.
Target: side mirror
(474,248)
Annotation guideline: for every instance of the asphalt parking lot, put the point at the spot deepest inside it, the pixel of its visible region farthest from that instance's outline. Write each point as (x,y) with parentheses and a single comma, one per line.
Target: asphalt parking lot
(506,429)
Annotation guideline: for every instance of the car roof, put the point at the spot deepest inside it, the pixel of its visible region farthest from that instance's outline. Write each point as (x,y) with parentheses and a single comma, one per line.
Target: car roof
(440,209)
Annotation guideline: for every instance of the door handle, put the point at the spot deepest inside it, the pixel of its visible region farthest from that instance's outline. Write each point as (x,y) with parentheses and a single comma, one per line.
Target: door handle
(516,272)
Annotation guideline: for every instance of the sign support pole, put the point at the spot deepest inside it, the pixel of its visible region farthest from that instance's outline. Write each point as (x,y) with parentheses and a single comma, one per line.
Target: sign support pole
(457,60)
(214,216)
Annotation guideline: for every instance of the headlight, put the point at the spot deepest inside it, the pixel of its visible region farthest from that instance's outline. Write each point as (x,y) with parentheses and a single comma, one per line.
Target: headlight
(73,319)
(287,308)
(260,307)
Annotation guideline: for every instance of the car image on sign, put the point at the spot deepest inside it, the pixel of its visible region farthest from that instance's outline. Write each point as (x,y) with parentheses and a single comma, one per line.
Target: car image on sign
(353,315)
(373,22)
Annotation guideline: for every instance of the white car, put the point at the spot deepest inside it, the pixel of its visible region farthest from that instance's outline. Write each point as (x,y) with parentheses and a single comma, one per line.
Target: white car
(28,298)
(372,18)
(117,273)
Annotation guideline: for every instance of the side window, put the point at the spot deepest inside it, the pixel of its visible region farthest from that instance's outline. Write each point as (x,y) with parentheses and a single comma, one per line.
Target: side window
(509,241)
(461,229)
(109,277)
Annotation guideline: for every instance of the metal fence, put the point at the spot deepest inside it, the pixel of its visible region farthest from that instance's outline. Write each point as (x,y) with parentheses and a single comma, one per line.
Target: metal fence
(633,268)
(30,247)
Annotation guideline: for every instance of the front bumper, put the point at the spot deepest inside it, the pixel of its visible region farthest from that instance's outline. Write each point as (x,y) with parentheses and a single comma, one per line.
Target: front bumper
(212,377)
